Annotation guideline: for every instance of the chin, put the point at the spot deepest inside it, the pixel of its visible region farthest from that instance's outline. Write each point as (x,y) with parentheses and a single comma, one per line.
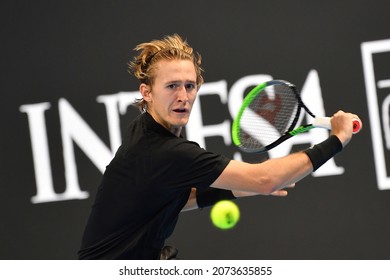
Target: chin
(181,123)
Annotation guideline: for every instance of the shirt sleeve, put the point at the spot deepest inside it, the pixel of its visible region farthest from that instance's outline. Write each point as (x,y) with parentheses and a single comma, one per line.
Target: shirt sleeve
(187,164)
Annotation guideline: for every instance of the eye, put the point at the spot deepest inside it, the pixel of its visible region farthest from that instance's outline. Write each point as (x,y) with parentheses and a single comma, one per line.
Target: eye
(190,86)
(172,86)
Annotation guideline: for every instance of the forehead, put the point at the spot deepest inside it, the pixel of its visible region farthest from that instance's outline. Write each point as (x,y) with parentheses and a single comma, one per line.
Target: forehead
(175,70)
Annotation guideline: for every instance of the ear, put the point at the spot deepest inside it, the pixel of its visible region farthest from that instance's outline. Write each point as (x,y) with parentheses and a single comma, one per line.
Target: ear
(144,89)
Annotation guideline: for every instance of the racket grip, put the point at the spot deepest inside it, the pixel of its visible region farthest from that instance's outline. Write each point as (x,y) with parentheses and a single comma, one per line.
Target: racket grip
(324,122)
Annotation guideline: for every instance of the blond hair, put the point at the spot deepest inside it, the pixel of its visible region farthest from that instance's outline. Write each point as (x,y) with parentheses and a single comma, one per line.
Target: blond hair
(169,48)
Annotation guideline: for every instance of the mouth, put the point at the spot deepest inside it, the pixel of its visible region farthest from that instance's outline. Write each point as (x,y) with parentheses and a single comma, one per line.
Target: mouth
(179,110)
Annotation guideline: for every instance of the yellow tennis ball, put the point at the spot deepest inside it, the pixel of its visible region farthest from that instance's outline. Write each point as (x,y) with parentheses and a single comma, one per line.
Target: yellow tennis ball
(225,214)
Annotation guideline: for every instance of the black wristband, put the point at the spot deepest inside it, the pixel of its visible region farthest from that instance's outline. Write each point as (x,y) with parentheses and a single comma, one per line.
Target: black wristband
(210,196)
(321,153)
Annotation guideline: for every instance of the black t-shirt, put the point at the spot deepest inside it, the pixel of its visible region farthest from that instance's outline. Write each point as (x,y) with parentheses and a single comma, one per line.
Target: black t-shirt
(143,190)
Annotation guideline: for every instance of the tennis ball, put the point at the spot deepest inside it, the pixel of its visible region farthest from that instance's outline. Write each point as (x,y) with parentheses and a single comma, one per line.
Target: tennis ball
(225,214)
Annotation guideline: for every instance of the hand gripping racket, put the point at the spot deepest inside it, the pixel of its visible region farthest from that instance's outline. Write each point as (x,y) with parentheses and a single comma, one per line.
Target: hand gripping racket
(268,117)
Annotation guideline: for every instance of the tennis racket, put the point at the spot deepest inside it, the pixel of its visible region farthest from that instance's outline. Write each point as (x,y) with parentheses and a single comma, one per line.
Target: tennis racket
(268,117)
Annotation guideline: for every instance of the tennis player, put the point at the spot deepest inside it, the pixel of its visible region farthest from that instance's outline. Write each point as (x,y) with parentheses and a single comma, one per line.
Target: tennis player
(156,173)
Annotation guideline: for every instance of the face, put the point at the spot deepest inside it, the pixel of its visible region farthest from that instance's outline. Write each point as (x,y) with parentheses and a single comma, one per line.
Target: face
(172,94)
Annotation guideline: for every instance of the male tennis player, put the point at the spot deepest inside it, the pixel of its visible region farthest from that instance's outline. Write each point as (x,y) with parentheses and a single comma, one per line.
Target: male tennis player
(156,173)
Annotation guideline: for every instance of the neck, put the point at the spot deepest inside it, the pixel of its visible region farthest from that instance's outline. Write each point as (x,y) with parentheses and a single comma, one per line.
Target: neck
(175,130)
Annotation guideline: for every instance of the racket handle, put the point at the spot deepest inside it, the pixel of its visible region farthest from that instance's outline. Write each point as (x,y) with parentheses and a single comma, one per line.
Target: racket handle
(357,126)
(324,122)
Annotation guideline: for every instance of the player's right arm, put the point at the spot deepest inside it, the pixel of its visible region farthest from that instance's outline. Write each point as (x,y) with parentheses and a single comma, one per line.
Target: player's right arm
(271,176)
(264,178)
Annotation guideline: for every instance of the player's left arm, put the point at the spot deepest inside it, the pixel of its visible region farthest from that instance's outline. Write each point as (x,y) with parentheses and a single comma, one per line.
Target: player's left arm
(192,203)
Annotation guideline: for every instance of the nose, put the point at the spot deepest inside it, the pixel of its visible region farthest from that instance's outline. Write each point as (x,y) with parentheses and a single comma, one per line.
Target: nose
(182,95)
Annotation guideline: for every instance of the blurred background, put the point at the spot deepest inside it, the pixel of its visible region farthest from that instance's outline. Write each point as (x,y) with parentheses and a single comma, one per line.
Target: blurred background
(66,95)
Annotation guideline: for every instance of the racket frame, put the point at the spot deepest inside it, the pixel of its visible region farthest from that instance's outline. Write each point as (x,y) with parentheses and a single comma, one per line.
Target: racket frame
(290,132)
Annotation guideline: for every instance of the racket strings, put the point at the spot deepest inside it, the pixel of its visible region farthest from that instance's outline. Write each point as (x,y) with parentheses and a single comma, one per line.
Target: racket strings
(270,114)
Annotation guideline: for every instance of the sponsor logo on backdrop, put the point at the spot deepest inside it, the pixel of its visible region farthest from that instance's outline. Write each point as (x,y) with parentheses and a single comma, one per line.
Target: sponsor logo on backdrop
(376,61)
(76,131)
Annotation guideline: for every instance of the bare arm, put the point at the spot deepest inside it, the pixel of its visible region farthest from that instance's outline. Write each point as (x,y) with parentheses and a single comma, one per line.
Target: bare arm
(264,178)
(191,203)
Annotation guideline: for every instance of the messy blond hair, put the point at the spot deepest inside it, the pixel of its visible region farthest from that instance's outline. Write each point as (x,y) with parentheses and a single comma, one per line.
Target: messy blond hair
(169,48)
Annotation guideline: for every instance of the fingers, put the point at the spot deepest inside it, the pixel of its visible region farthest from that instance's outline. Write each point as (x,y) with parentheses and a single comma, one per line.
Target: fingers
(280,193)
(343,126)
(341,113)
(283,192)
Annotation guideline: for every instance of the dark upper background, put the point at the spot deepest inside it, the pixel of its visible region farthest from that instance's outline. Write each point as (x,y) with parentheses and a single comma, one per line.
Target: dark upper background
(79,50)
